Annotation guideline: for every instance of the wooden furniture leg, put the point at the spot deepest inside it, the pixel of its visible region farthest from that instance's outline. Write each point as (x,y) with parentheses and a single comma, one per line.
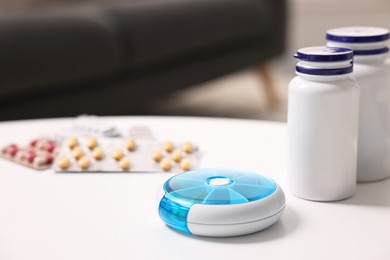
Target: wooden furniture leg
(272,97)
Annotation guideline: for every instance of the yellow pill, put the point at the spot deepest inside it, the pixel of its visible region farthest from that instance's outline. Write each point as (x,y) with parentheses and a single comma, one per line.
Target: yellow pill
(185,164)
(188,147)
(91,143)
(77,152)
(84,162)
(124,163)
(117,154)
(131,145)
(64,163)
(157,155)
(166,164)
(72,142)
(98,153)
(168,146)
(177,155)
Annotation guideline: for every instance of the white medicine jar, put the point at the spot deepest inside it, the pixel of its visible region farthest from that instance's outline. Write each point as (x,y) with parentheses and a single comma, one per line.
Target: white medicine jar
(372,72)
(322,125)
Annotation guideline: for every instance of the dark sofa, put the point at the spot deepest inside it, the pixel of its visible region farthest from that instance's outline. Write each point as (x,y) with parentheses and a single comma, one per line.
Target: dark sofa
(119,57)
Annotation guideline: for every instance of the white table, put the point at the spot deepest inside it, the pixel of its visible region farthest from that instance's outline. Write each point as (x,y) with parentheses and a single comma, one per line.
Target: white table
(50,216)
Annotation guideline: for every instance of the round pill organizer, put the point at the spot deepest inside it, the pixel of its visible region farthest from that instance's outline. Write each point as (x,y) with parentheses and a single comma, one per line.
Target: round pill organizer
(220,202)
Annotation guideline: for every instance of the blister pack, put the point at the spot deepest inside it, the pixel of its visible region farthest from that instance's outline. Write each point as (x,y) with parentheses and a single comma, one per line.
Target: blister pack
(92,154)
(37,154)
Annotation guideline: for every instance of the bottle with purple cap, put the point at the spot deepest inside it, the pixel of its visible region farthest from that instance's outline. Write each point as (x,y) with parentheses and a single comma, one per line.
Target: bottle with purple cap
(372,73)
(323,125)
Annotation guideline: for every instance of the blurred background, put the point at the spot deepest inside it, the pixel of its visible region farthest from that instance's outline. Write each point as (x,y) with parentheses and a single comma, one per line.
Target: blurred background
(223,58)
(307,22)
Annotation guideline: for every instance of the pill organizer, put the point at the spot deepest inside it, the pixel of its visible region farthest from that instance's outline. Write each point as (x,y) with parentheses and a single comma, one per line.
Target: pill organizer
(220,202)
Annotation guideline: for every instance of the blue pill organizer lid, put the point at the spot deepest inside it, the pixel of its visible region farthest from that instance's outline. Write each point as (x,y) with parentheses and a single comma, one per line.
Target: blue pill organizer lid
(218,186)
(358,34)
(324,54)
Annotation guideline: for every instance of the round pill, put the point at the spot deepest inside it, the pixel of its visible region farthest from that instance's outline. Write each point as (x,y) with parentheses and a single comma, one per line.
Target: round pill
(117,154)
(168,146)
(166,164)
(63,163)
(72,142)
(77,152)
(177,155)
(185,164)
(131,145)
(91,143)
(188,147)
(98,153)
(84,162)
(124,163)
(157,155)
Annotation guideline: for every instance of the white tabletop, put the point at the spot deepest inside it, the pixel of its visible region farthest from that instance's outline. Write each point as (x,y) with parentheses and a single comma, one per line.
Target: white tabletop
(50,216)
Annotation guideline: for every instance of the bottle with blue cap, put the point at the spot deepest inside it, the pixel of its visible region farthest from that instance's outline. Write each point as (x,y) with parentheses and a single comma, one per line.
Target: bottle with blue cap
(372,73)
(323,125)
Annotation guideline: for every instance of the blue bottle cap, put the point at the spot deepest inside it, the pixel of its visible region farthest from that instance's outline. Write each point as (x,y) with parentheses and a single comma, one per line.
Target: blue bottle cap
(324,54)
(358,34)
(324,72)
(371,52)
(218,186)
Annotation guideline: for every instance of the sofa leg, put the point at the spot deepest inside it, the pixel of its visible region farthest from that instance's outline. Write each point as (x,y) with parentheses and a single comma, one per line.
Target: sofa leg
(272,97)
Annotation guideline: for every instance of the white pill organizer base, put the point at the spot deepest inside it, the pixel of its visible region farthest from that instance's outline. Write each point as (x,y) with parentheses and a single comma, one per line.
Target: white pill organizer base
(220,202)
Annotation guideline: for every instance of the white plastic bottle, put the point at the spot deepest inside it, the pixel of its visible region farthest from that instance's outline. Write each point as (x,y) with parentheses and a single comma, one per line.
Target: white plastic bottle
(373,76)
(322,125)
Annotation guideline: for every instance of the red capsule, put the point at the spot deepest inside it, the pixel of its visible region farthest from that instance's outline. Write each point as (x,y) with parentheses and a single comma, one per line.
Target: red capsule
(50,146)
(12,150)
(30,156)
(51,142)
(33,142)
(49,159)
